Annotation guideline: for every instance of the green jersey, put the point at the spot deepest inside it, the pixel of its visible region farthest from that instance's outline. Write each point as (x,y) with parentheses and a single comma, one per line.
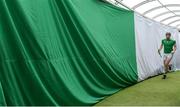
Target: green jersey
(168,45)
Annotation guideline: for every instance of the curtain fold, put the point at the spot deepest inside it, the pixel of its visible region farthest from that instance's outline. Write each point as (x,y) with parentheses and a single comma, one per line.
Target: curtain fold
(65,52)
(2,98)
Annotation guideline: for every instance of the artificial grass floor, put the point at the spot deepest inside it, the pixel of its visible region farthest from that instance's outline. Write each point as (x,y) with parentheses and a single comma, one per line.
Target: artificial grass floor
(152,92)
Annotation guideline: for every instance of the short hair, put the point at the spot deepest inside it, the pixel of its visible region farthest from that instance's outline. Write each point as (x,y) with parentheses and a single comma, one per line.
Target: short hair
(168,33)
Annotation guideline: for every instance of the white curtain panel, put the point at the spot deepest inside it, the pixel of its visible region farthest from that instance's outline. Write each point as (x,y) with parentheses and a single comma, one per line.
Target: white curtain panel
(148,35)
(177,54)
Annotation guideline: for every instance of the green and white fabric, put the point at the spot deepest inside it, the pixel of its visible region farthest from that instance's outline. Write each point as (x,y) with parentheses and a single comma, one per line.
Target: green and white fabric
(74,52)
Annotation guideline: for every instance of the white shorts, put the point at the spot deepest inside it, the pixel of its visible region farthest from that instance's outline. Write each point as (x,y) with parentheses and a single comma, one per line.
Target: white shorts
(167,56)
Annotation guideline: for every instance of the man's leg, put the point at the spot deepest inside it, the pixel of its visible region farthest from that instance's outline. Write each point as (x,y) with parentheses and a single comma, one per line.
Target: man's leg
(165,68)
(169,58)
(166,64)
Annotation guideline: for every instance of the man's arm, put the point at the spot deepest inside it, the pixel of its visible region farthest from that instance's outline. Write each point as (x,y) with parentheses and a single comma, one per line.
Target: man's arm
(174,49)
(159,50)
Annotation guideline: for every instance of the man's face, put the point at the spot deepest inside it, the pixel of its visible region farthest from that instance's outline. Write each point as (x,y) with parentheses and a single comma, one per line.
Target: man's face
(168,36)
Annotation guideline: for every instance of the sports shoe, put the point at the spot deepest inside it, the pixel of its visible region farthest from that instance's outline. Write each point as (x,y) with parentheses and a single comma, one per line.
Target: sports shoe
(164,76)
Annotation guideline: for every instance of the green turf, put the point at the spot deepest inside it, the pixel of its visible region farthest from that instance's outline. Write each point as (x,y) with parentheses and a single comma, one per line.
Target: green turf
(151,92)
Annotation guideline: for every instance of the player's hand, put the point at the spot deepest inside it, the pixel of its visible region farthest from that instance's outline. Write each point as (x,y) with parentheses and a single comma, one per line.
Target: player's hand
(172,52)
(159,50)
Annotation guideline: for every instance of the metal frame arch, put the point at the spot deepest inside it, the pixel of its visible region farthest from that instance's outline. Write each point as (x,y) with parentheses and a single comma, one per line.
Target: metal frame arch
(169,18)
(159,7)
(142,3)
(177,25)
(161,14)
(173,21)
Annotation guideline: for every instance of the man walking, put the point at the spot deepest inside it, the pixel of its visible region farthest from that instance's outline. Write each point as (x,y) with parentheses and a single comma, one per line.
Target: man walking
(169,50)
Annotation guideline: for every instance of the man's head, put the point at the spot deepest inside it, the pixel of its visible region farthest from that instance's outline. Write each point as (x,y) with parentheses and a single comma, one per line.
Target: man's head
(168,35)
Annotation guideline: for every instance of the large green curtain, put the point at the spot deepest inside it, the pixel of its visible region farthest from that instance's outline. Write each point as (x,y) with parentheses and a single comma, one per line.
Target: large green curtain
(64,52)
